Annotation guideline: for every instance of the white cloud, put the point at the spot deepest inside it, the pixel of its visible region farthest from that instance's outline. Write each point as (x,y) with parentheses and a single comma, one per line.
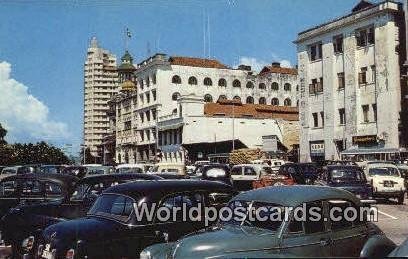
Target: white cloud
(23,115)
(258,64)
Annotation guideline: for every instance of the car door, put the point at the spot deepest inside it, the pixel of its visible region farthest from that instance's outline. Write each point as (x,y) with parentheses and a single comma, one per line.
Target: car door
(9,195)
(348,230)
(308,236)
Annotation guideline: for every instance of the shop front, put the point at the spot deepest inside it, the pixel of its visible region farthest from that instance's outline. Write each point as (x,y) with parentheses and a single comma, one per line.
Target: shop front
(317,151)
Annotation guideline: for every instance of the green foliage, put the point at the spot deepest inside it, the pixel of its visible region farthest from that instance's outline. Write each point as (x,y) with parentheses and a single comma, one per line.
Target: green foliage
(3,133)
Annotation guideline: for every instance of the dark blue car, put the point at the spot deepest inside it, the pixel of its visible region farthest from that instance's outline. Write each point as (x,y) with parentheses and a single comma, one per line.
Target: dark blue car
(346,177)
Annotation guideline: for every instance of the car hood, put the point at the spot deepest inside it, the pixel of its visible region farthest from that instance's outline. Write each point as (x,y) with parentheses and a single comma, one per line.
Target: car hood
(224,241)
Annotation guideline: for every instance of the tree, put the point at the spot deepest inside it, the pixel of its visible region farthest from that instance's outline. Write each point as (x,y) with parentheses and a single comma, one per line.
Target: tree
(3,133)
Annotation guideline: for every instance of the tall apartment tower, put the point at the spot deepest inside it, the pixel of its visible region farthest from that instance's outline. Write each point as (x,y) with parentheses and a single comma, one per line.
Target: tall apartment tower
(100,84)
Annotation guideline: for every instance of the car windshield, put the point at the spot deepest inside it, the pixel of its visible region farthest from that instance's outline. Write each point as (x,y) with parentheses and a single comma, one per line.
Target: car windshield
(113,206)
(216,172)
(383,171)
(126,170)
(344,175)
(264,215)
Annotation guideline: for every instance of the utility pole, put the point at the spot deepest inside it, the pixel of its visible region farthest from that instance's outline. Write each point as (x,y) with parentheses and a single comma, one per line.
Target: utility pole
(233,126)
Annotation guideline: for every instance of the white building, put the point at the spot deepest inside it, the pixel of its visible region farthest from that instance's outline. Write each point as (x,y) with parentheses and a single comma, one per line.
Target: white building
(100,84)
(350,85)
(161,80)
(199,128)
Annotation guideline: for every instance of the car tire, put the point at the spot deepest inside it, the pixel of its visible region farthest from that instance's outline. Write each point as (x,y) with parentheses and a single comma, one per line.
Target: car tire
(401,199)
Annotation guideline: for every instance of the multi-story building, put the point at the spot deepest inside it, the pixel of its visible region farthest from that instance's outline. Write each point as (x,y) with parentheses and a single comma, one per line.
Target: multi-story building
(350,85)
(100,84)
(161,81)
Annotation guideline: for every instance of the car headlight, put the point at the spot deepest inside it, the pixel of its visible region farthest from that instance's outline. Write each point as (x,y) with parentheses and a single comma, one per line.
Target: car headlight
(145,255)
(28,243)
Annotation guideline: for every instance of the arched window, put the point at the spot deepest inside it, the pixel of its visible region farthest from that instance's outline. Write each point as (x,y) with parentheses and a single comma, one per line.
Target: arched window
(175,96)
(154,78)
(275,101)
(207,81)
(147,81)
(222,97)
(236,83)
(262,100)
(249,85)
(297,88)
(192,80)
(275,86)
(237,98)
(287,87)
(176,79)
(250,100)
(262,86)
(222,82)
(208,98)
(287,102)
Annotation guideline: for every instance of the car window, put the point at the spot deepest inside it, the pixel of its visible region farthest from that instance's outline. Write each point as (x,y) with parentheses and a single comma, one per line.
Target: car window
(53,190)
(337,220)
(344,175)
(219,199)
(314,223)
(270,216)
(383,171)
(236,170)
(249,171)
(216,172)
(176,201)
(8,171)
(8,189)
(80,192)
(114,206)
(31,188)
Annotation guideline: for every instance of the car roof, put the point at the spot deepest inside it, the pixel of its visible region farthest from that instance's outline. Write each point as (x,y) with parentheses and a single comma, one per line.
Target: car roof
(62,178)
(350,167)
(112,177)
(381,164)
(154,189)
(295,195)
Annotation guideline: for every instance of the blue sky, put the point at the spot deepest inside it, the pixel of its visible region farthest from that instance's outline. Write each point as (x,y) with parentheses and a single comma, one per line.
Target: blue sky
(45,42)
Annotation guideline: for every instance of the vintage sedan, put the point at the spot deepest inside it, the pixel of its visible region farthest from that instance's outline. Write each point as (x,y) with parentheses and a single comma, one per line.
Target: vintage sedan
(22,225)
(117,227)
(302,173)
(346,177)
(270,234)
(272,178)
(243,175)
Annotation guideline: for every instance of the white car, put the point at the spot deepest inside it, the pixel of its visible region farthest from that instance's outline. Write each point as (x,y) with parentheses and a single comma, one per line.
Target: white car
(243,175)
(386,180)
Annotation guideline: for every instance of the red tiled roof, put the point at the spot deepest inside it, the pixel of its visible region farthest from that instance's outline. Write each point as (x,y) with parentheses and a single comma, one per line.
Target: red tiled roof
(279,70)
(196,62)
(251,110)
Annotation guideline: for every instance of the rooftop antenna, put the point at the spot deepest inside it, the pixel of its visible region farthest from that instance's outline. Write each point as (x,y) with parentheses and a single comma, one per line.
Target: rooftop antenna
(127,37)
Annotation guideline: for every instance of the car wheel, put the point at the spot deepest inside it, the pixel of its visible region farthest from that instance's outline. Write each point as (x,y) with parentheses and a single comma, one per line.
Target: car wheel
(401,199)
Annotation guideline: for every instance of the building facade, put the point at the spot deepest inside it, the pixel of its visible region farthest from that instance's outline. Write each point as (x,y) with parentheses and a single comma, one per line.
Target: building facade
(350,85)
(160,81)
(100,84)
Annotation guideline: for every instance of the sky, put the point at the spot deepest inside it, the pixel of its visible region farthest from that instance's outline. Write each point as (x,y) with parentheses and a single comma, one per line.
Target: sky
(43,46)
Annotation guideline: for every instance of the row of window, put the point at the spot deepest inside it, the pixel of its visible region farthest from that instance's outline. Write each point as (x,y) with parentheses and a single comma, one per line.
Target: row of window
(236,83)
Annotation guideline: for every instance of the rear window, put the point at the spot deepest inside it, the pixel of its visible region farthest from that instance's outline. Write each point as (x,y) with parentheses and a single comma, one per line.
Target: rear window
(346,175)
(383,171)
(113,206)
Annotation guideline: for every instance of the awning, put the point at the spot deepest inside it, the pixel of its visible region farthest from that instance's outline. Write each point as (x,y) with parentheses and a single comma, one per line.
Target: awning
(362,151)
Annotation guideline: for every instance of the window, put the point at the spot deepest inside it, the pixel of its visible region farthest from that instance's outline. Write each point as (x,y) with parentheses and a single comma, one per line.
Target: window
(338,213)
(320,86)
(192,80)
(8,189)
(250,100)
(262,100)
(222,82)
(287,102)
(222,97)
(236,171)
(275,86)
(176,79)
(287,87)
(275,101)
(322,116)
(236,83)
(175,96)
(373,74)
(154,78)
(237,98)
(154,95)
(262,86)
(338,44)
(313,86)
(208,98)
(315,120)
(365,37)
(316,51)
(31,188)
(207,81)
(177,201)
(53,190)
(342,116)
(311,225)
(340,80)
(362,76)
(114,206)
(249,171)
(249,85)
(375,111)
(365,113)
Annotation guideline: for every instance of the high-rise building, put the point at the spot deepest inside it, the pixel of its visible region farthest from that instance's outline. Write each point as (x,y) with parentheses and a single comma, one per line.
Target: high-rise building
(100,84)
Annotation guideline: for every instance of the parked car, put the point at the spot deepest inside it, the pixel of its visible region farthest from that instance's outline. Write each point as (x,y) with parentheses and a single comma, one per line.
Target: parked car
(386,180)
(271,177)
(130,168)
(98,170)
(254,238)
(55,169)
(22,225)
(302,173)
(346,177)
(8,171)
(77,171)
(170,168)
(243,175)
(111,228)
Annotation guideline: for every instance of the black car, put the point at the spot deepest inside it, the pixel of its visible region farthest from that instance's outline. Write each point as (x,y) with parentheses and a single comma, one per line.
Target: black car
(115,227)
(301,173)
(22,225)
(347,177)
